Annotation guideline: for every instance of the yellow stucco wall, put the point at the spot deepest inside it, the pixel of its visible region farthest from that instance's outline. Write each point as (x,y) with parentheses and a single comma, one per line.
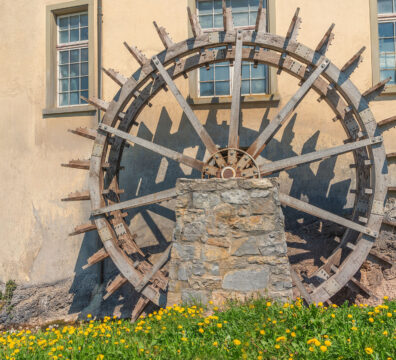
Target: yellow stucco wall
(35,223)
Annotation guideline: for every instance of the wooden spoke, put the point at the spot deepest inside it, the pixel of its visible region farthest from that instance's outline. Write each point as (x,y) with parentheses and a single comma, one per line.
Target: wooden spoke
(118,282)
(233,137)
(258,146)
(353,60)
(377,89)
(294,26)
(326,40)
(195,25)
(227,17)
(140,201)
(84,132)
(266,169)
(323,214)
(198,127)
(162,150)
(137,54)
(300,286)
(117,77)
(81,229)
(387,121)
(164,36)
(261,21)
(96,258)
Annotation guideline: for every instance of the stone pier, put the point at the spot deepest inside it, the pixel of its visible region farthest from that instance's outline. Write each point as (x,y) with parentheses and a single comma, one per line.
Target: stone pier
(228,242)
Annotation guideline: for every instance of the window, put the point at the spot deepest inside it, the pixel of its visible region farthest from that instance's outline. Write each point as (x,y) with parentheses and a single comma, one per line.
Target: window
(72,51)
(70,57)
(386,37)
(216,80)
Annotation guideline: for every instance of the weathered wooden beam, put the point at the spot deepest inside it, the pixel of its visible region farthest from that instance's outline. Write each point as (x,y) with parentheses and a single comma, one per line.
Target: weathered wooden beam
(77,196)
(156,267)
(140,201)
(118,282)
(164,36)
(374,91)
(81,164)
(285,164)
(100,104)
(227,18)
(81,229)
(137,54)
(261,21)
(96,258)
(375,256)
(387,121)
(391,155)
(195,25)
(115,76)
(171,154)
(85,132)
(294,27)
(323,214)
(233,136)
(353,61)
(139,308)
(360,287)
(326,40)
(300,286)
(198,127)
(266,135)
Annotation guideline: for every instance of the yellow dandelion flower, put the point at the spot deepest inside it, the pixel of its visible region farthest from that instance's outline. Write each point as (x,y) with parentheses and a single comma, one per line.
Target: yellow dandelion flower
(371,320)
(237,342)
(262,332)
(386,297)
(354,328)
(259,357)
(219,325)
(183,339)
(180,327)
(333,316)
(287,331)
(215,343)
(268,304)
(323,348)
(311,349)
(277,346)
(293,334)
(201,330)
(350,316)
(280,338)
(211,302)
(100,357)
(389,314)
(327,343)
(368,350)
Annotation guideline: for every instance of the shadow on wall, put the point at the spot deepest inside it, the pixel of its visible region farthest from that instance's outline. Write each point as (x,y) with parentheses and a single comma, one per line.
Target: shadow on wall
(147,172)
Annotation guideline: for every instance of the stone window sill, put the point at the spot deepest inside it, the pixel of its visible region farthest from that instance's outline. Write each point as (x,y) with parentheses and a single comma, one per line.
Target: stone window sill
(228,99)
(67,110)
(389,90)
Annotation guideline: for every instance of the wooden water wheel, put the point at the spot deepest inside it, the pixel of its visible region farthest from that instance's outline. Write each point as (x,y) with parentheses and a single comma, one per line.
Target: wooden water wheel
(315,72)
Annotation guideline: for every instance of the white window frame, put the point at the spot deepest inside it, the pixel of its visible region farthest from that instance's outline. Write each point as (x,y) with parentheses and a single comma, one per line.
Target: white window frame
(387,18)
(231,66)
(69,46)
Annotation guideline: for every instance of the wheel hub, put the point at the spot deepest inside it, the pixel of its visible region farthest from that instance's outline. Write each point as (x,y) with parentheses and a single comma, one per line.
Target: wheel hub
(236,164)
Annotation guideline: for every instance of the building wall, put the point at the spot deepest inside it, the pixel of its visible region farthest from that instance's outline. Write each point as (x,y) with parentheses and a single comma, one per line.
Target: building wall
(35,223)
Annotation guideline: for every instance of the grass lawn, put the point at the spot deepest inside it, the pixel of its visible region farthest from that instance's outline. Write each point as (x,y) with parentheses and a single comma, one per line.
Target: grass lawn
(255,330)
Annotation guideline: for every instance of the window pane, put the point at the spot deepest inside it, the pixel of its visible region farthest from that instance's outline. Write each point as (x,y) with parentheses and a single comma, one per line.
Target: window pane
(84,69)
(63,37)
(63,85)
(222,73)
(74,98)
(258,86)
(384,6)
(387,61)
(241,19)
(386,29)
(74,84)
(64,71)
(245,89)
(63,23)
(205,7)
(255,3)
(259,72)
(64,57)
(218,21)
(85,94)
(206,75)
(74,35)
(84,33)
(207,89)
(252,18)
(84,54)
(63,99)
(84,83)
(206,21)
(74,20)
(218,6)
(238,5)
(386,73)
(84,20)
(74,56)
(245,71)
(74,70)
(222,88)
(387,45)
